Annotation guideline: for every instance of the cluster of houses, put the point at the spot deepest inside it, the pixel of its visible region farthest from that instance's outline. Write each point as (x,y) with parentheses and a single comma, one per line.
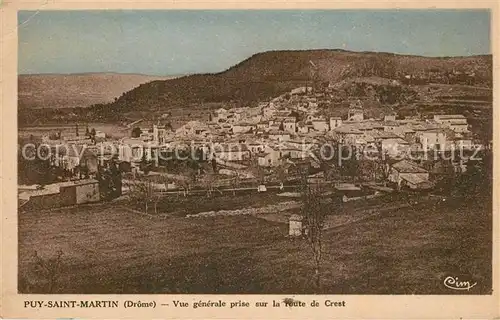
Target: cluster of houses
(288,127)
(280,131)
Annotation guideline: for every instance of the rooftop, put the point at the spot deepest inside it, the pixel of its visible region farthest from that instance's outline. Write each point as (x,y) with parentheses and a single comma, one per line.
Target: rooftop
(449,116)
(414,178)
(405,166)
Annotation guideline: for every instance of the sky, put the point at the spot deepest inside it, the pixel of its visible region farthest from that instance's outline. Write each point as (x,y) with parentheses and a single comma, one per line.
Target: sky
(177,42)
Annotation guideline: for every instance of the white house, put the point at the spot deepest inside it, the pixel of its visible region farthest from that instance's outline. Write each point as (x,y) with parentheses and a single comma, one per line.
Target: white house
(348,134)
(395,146)
(289,125)
(320,124)
(390,117)
(455,122)
(100,134)
(295,228)
(335,122)
(433,139)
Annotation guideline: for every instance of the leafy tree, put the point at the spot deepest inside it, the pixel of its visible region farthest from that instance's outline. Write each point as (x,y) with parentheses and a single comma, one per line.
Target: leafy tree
(281,173)
(349,166)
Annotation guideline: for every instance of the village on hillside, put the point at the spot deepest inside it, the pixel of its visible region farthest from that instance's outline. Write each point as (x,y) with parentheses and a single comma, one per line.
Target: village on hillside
(272,145)
(282,171)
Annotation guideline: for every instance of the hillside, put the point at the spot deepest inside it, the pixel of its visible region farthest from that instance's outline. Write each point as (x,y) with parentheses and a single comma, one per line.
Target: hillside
(269,74)
(75,90)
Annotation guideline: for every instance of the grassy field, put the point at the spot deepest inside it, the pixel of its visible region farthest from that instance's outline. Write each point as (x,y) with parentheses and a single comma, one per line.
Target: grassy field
(111,250)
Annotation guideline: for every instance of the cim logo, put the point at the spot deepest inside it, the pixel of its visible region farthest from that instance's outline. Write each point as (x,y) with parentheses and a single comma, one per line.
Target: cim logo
(459,283)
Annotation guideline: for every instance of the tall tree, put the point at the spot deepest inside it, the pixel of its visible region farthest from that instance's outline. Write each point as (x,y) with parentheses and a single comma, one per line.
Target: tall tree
(314,211)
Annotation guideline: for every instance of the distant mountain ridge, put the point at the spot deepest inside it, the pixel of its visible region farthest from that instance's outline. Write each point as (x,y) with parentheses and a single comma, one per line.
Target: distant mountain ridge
(76,90)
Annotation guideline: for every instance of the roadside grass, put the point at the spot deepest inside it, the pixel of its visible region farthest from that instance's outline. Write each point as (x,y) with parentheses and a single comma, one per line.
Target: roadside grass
(407,251)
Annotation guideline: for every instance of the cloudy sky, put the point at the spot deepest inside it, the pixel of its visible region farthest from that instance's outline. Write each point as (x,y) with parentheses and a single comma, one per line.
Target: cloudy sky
(177,42)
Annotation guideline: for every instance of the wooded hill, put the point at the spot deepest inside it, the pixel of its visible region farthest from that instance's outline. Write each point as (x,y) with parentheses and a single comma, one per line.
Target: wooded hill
(269,74)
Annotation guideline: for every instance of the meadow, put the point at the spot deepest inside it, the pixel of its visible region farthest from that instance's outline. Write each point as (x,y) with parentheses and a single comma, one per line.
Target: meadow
(109,248)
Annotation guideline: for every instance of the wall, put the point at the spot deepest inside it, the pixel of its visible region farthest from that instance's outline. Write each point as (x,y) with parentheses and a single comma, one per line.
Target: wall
(67,196)
(45,201)
(87,193)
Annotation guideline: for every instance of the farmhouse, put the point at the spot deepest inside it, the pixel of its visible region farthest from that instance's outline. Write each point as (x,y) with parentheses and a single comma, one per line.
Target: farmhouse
(348,134)
(455,122)
(62,194)
(289,125)
(408,174)
(320,124)
(432,139)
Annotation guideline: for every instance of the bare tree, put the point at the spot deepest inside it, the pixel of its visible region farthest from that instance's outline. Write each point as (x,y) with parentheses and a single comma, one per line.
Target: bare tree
(208,183)
(235,182)
(157,196)
(185,184)
(314,212)
(49,268)
(141,191)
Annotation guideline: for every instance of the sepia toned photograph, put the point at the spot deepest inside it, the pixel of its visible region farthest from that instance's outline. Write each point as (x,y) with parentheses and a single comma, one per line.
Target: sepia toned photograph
(257,151)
